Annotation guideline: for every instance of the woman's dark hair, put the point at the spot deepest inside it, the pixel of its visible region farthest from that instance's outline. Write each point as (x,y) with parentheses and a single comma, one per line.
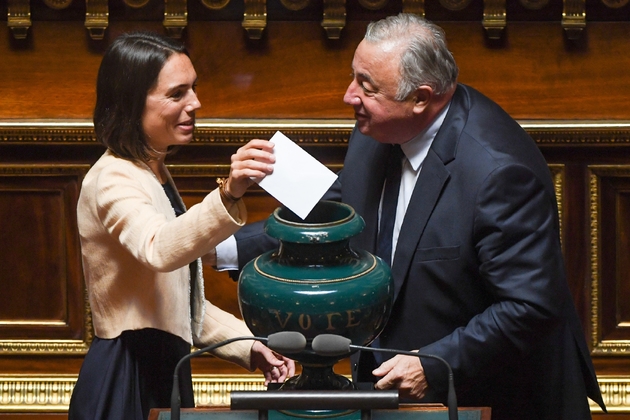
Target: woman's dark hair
(129,70)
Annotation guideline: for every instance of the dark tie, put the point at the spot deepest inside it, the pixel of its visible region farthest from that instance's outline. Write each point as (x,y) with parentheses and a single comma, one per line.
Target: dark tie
(390,202)
(393,174)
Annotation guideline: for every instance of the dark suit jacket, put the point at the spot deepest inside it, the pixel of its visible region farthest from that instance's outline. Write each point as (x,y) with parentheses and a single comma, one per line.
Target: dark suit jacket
(478,269)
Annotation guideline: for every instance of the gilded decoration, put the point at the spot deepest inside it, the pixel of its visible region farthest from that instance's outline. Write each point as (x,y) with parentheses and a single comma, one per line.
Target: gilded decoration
(255,18)
(574,18)
(51,393)
(175,17)
(603,345)
(315,131)
(494,18)
(334,18)
(19,346)
(96,18)
(19,17)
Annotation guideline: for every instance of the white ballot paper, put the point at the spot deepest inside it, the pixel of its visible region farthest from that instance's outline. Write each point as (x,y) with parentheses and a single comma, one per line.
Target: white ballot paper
(298,180)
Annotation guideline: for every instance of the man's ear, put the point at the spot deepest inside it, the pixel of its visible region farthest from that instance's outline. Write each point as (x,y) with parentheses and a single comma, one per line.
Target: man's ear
(422,97)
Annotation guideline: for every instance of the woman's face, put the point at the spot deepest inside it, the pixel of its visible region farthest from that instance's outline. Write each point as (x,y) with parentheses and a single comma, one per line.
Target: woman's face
(169,113)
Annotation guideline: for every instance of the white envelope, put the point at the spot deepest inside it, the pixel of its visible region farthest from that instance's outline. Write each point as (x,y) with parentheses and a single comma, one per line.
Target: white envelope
(298,180)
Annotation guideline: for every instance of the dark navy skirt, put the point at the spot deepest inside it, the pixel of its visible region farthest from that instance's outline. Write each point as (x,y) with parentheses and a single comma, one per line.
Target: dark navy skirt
(125,377)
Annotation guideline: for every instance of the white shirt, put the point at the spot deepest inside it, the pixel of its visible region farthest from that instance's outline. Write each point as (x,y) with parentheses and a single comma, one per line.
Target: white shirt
(415,151)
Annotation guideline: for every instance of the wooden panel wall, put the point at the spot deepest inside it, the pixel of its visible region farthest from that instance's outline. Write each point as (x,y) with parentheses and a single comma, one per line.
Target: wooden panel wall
(571,95)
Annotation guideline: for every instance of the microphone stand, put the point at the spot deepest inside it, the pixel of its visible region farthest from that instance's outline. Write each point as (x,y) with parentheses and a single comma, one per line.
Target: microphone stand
(282,342)
(175,396)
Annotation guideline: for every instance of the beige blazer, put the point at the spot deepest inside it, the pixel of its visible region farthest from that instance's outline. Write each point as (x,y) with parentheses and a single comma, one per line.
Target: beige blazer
(136,257)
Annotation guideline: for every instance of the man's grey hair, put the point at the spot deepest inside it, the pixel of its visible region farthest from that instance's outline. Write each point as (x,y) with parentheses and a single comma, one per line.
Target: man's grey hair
(425,60)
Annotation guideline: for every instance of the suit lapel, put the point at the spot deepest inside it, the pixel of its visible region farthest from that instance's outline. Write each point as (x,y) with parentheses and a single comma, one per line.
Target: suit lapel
(426,193)
(432,180)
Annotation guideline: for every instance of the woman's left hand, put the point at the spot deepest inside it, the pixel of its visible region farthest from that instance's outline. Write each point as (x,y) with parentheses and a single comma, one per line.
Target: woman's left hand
(274,366)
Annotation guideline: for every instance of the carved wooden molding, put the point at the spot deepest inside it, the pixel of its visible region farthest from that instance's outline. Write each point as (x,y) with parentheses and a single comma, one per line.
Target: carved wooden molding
(18,346)
(557,175)
(608,186)
(574,18)
(255,18)
(96,18)
(334,18)
(175,17)
(51,393)
(19,17)
(494,18)
(316,131)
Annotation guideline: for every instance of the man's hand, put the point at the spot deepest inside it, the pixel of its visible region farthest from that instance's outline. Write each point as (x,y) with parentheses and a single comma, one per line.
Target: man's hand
(404,373)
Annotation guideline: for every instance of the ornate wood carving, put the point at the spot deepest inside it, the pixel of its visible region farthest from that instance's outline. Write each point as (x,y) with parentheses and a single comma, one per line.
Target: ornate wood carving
(494,18)
(45,298)
(96,18)
(255,18)
(19,17)
(334,18)
(175,17)
(574,18)
(610,265)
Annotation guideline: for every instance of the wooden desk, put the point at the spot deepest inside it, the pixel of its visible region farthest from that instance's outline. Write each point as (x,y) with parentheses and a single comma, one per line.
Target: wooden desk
(405,412)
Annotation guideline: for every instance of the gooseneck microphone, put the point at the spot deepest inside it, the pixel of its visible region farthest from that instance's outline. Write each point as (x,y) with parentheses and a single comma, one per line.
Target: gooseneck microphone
(284,342)
(336,345)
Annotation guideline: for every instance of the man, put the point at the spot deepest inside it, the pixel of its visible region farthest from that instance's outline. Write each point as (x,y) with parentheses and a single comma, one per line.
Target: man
(477,262)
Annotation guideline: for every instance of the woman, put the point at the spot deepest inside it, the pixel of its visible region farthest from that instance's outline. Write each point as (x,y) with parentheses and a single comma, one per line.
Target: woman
(141,249)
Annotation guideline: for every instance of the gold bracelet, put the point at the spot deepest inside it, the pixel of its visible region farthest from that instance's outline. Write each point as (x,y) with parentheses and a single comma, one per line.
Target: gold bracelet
(224,192)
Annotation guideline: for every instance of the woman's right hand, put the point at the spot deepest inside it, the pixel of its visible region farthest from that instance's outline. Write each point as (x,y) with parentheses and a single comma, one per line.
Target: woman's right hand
(253,160)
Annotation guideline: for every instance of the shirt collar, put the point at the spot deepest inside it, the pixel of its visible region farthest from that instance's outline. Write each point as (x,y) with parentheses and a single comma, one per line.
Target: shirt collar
(418,147)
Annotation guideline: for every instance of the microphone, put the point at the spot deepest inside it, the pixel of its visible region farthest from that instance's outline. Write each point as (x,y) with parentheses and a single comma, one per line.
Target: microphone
(336,345)
(281,342)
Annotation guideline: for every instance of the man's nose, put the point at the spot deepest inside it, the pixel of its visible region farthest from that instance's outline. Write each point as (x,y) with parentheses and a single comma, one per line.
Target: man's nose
(351,97)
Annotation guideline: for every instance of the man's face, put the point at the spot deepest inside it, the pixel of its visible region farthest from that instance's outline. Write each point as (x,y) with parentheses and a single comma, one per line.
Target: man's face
(375,76)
